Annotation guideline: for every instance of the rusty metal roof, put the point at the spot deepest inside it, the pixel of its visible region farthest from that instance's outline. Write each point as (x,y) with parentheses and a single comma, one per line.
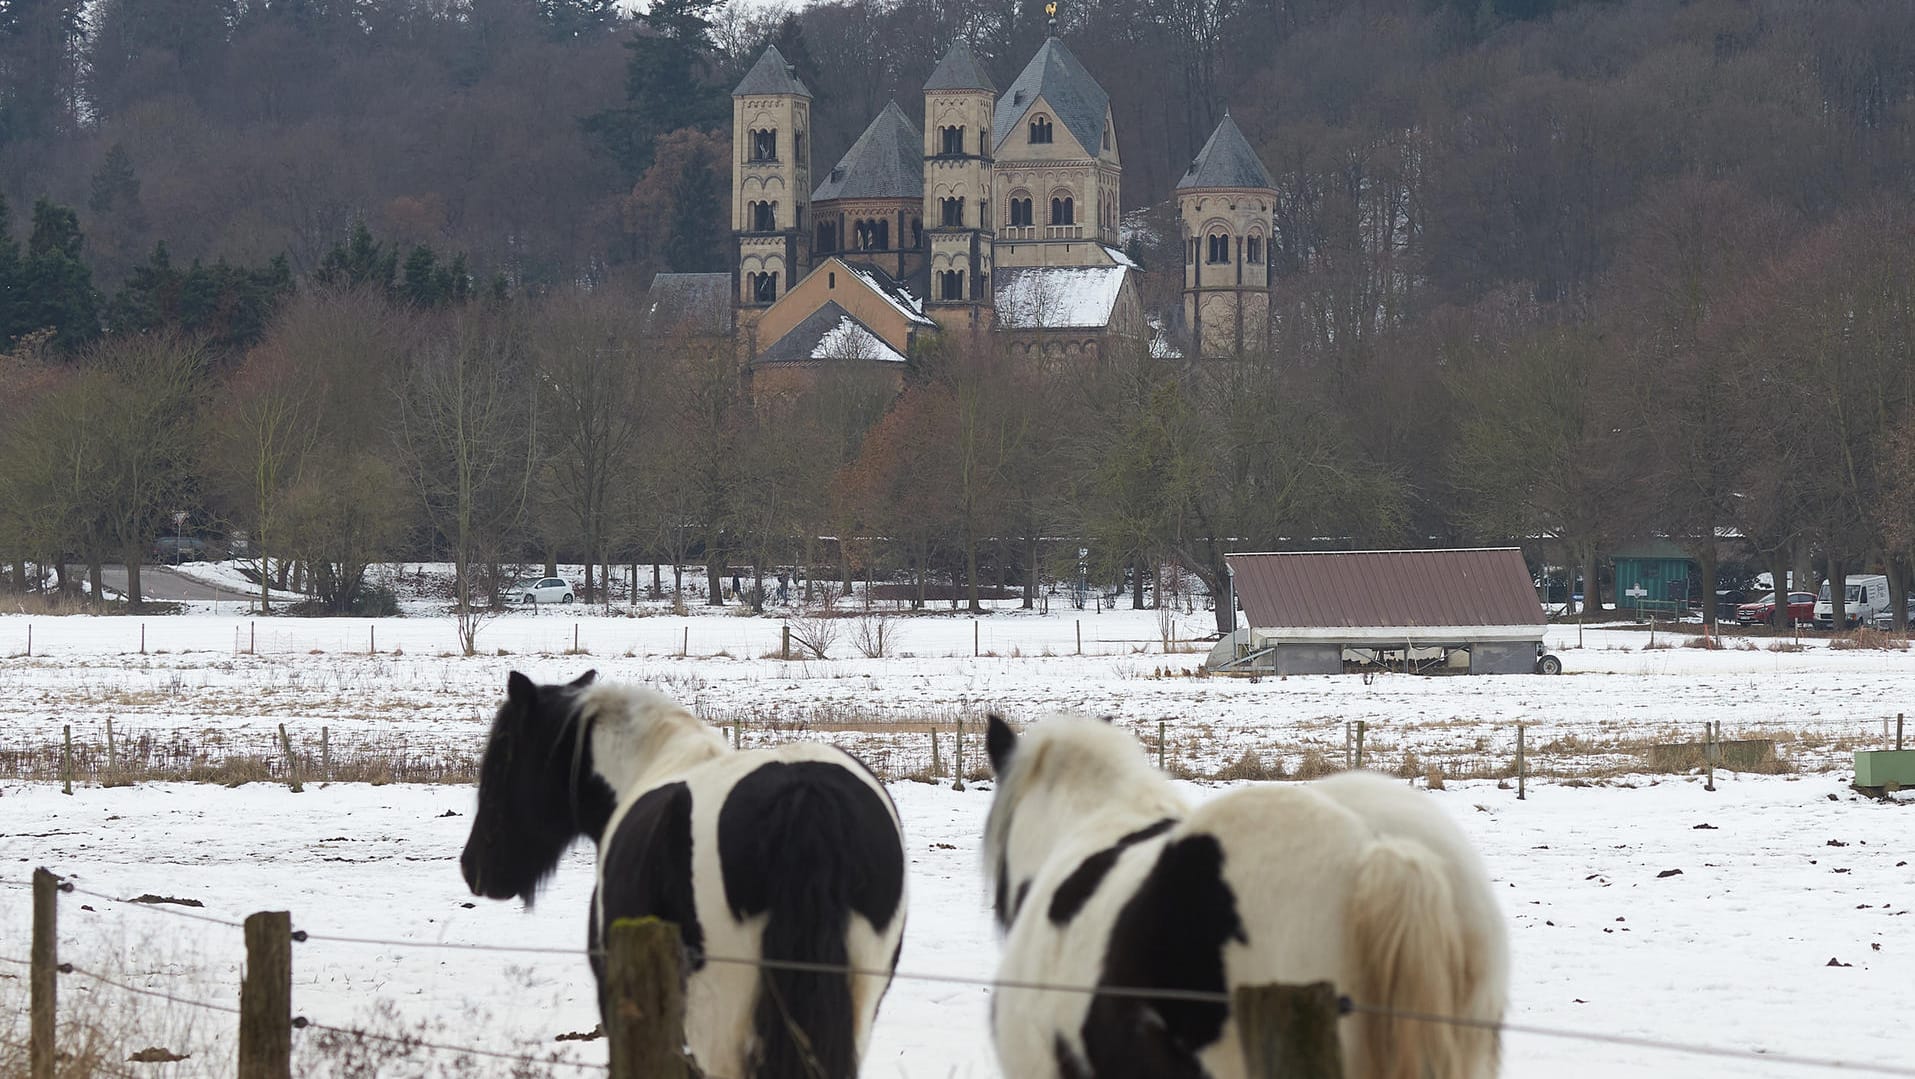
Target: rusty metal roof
(1394,590)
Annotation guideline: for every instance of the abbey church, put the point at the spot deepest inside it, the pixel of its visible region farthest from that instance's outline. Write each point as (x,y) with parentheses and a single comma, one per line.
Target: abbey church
(1001,213)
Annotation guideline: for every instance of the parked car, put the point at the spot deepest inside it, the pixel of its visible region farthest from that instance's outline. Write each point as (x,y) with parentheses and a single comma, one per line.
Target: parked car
(1728,602)
(1866,595)
(544,590)
(1885,620)
(1762,611)
(176,549)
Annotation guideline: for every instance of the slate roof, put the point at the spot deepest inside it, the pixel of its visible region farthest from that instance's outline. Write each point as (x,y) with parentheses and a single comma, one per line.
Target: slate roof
(690,302)
(959,70)
(1058,297)
(887,162)
(771,75)
(1226,161)
(895,292)
(829,333)
(1396,592)
(1056,76)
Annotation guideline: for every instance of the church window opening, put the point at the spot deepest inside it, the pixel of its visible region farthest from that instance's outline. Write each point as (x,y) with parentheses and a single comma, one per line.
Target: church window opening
(764,287)
(917,233)
(764,145)
(764,217)
(1041,130)
(1021,212)
(951,285)
(1253,250)
(1219,248)
(827,237)
(953,140)
(1062,212)
(951,213)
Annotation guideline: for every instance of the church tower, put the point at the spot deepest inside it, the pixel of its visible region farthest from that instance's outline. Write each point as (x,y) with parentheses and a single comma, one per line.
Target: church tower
(1226,202)
(770,180)
(958,101)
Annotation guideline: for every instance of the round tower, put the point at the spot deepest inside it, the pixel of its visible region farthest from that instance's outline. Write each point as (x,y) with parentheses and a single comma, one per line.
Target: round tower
(1226,202)
(959,229)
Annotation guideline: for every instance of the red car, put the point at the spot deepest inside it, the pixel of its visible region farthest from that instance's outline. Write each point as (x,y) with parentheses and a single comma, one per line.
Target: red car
(1801,609)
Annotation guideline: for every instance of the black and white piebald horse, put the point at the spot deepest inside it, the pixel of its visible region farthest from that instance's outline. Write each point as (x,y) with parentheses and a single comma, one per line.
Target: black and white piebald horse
(790,853)
(1104,875)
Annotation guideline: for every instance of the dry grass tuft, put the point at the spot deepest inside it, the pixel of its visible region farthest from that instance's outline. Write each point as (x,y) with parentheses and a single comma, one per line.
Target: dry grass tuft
(1411,766)
(1252,766)
(1784,646)
(1870,639)
(1433,777)
(1315,765)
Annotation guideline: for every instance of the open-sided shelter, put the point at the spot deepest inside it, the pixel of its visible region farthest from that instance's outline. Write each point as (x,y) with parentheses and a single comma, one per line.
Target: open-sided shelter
(1306,612)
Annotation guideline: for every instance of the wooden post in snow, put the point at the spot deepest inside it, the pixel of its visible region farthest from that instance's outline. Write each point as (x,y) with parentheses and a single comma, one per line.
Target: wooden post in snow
(42,974)
(1288,1031)
(266,997)
(645,1000)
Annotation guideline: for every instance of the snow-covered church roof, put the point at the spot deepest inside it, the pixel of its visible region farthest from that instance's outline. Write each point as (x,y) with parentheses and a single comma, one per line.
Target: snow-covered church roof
(830,333)
(1058,297)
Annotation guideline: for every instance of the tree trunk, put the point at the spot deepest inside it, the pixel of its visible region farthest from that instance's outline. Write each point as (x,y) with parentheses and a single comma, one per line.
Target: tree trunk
(1592,583)
(1804,567)
(1137,585)
(1030,572)
(715,595)
(970,574)
(551,564)
(93,578)
(1708,561)
(1897,589)
(133,597)
(1838,592)
(19,575)
(1779,573)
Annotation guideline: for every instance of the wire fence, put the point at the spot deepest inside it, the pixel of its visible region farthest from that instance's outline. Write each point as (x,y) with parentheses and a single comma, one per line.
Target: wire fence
(1345,1004)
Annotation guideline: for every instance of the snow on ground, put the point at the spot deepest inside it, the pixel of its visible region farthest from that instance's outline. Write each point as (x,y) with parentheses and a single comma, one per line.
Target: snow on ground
(1793,870)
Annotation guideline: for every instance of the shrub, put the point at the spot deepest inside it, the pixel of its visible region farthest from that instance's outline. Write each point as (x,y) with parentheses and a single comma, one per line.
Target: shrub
(814,633)
(1868,638)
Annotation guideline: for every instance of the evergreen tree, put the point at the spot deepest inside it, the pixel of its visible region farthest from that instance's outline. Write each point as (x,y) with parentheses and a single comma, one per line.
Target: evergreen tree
(358,262)
(568,20)
(55,288)
(115,185)
(667,84)
(226,306)
(696,243)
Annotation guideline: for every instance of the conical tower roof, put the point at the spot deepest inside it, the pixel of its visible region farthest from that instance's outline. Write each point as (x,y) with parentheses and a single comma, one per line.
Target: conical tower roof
(1226,161)
(959,70)
(1056,76)
(887,162)
(771,75)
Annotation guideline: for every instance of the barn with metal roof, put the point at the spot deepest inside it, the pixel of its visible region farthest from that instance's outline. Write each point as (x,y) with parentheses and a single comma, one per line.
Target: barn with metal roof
(1310,612)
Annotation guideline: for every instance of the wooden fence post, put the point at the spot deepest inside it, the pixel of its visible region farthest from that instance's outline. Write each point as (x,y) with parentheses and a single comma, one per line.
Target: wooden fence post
(142,638)
(325,754)
(937,764)
(1160,745)
(292,762)
(112,758)
(1898,732)
(42,974)
(974,639)
(786,646)
(685,645)
(1709,754)
(1080,636)
(66,758)
(958,762)
(1288,1031)
(266,997)
(1361,726)
(372,640)
(1522,770)
(252,638)
(645,1000)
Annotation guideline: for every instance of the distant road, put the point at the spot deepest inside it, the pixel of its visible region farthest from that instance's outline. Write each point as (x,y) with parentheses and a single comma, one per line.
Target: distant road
(161,583)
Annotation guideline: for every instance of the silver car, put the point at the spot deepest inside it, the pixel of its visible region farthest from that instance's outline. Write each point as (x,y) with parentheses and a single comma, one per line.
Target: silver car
(544,590)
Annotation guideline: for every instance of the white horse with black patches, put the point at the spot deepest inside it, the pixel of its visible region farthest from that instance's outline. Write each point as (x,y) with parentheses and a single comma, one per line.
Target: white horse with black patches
(790,853)
(1104,875)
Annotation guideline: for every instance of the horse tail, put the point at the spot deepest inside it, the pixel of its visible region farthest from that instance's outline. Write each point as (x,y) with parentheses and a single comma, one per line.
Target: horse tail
(824,847)
(1410,949)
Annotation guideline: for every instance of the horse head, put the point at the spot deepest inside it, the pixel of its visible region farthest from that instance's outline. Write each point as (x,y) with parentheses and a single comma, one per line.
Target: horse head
(538,790)
(1066,776)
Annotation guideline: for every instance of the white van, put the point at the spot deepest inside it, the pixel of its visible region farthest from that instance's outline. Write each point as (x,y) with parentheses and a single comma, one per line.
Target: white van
(1867,596)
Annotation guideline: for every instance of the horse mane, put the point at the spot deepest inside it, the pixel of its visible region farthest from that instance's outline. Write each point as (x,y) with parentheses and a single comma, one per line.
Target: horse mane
(1094,761)
(638,732)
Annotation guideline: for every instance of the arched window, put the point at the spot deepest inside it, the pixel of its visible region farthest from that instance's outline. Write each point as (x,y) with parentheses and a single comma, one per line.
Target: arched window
(1040,129)
(1062,212)
(764,145)
(1219,248)
(917,233)
(951,213)
(883,236)
(1021,211)
(827,238)
(764,287)
(951,285)
(951,140)
(1253,250)
(764,217)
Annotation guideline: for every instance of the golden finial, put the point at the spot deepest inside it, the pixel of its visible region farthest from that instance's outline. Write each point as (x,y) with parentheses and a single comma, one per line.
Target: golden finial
(1050,15)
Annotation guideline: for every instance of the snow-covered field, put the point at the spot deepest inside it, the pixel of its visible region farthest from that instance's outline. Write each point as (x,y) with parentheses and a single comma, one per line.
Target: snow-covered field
(1791,872)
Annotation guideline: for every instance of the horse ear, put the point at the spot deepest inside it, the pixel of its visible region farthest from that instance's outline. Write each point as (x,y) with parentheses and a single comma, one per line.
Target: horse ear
(519,689)
(1000,741)
(585,679)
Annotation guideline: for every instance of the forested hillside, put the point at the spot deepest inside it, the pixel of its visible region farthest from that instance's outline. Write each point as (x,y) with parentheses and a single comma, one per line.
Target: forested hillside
(1580,270)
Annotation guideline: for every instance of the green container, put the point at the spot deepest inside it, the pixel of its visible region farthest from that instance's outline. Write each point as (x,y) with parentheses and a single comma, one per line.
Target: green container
(1880,767)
